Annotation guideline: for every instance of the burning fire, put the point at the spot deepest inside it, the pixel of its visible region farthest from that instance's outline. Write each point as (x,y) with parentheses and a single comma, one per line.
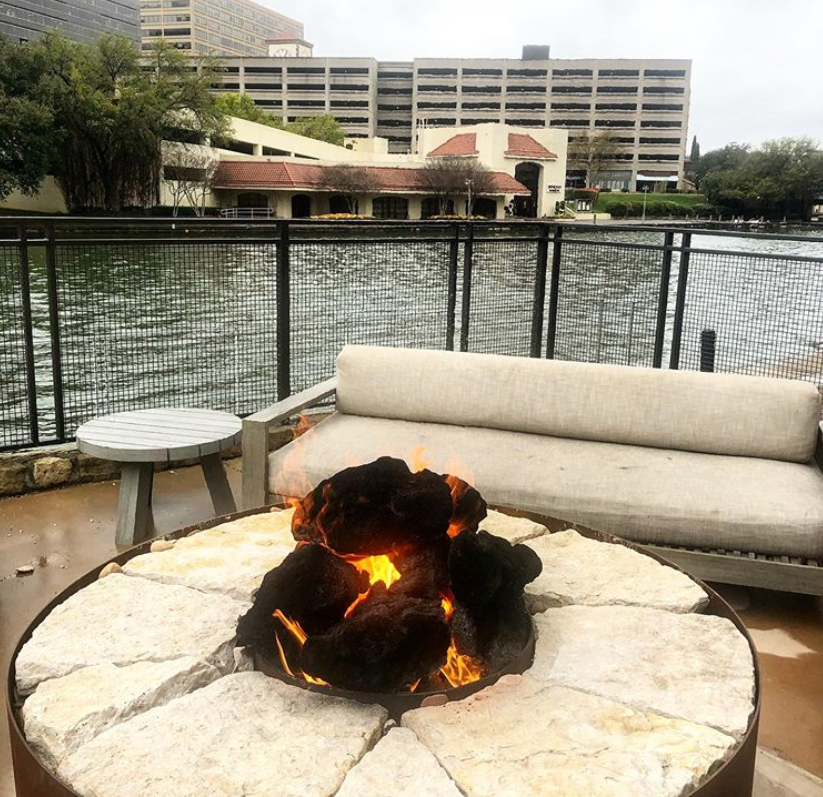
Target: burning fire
(459,669)
(378,568)
(300,636)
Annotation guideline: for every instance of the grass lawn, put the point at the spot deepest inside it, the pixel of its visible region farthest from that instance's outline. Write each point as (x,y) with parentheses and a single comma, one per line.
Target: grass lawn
(684,200)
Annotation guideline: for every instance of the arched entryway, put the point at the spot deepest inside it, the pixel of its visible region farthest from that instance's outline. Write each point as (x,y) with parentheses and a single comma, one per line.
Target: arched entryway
(339,204)
(528,174)
(300,206)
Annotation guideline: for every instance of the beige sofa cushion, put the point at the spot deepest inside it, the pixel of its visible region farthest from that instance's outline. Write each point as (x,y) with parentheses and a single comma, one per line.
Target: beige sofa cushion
(644,494)
(688,411)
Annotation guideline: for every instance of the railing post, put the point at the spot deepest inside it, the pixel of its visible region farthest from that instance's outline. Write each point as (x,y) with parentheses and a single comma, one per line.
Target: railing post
(283,312)
(663,300)
(468,251)
(54,328)
(539,291)
(451,301)
(551,332)
(28,334)
(680,300)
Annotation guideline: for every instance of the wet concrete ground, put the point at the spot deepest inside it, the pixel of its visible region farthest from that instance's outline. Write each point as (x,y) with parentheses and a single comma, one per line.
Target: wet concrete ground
(66,533)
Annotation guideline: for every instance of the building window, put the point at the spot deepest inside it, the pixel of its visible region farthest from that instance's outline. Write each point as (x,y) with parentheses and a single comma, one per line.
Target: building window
(390,207)
(618,73)
(572,72)
(665,73)
(527,73)
(661,107)
(430,207)
(437,72)
(485,72)
(664,90)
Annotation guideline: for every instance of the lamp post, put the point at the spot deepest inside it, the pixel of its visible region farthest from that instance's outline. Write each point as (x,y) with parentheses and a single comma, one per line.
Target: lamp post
(645,194)
(469,185)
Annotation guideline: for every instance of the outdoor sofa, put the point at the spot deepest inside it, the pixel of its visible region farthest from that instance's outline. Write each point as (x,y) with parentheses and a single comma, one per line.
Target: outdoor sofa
(719,473)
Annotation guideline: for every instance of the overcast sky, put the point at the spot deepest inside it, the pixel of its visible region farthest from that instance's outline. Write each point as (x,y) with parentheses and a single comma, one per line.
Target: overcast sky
(757,64)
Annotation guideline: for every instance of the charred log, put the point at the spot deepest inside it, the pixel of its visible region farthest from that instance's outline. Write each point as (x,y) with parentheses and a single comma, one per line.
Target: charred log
(469,508)
(485,569)
(387,643)
(375,509)
(311,586)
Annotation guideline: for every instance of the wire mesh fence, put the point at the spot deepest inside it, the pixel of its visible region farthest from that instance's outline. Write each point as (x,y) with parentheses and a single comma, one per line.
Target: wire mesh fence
(608,297)
(17,410)
(101,316)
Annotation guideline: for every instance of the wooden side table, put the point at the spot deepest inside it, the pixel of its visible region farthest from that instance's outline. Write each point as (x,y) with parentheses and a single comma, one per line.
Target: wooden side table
(139,439)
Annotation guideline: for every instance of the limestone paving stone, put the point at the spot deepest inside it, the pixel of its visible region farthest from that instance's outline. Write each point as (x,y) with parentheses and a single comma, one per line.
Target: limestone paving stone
(245,735)
(579,570)
(231,558)
(513,529)
(65,713)
(694,667)
(521,737)
(399,766)
(122,620)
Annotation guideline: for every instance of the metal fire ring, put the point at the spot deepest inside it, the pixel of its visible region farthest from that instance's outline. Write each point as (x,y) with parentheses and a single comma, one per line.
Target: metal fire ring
(733,778)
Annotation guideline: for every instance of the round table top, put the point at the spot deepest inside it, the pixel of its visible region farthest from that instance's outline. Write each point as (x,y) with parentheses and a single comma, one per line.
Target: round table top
(158,435)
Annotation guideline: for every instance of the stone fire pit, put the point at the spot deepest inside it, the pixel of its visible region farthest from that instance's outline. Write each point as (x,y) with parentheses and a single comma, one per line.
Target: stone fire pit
(643,683)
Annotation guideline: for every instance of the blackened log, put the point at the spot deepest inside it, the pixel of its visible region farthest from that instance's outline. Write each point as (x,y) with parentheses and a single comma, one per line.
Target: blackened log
(311,586)
(387,643)
(484,569)
(375,509)
(469,508)
(424,572)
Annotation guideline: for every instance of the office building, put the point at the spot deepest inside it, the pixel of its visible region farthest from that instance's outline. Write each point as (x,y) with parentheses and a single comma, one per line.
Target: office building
(219,27)
(81,20)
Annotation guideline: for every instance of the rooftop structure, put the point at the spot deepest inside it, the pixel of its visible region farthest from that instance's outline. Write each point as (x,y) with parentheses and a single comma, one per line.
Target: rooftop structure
(220,27)
(81,20)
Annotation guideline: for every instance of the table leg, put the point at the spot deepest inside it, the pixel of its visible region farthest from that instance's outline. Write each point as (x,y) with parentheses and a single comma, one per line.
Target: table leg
(134,510)
(218,484)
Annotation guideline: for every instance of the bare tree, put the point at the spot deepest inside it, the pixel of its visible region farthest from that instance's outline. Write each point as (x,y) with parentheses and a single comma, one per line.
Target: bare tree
(189,172)
(350,181)
(454,177)
(592,153)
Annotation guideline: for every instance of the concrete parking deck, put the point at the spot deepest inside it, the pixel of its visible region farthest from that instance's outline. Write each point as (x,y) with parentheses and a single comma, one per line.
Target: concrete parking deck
(65,533)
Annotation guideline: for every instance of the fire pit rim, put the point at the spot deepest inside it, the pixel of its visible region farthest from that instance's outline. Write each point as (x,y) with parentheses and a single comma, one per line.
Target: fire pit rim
(733,778)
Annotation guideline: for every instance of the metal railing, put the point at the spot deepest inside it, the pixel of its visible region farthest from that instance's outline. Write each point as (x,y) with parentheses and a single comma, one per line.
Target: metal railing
(103,315)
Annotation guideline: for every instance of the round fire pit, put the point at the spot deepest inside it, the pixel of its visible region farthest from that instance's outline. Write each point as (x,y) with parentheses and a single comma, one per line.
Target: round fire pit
(730,774)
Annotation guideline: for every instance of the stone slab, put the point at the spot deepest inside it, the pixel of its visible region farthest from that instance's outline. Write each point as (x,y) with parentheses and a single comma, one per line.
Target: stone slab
(230,559)
(513,529)
(122,620)
(520,737)
(399,766)
(65,713)
(694,667)
(578,570)
(246,735)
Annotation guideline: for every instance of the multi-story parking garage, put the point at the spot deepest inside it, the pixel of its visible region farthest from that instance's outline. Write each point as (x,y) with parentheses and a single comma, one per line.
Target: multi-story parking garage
(643,103)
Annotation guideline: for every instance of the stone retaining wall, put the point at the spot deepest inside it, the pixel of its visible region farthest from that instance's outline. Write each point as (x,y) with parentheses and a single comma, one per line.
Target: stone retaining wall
(43,468)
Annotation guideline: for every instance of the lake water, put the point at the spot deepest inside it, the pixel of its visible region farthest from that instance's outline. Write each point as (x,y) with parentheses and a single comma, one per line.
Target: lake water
(196,324)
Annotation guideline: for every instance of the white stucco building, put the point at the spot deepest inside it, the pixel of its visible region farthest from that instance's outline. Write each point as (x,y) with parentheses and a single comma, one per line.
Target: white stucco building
(274,173)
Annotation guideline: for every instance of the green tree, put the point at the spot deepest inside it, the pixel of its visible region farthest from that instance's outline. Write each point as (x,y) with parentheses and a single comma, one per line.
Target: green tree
(242,106)
(780,179)
(323,128)
(28,137)
(694,155)
(730,157)
(111,112)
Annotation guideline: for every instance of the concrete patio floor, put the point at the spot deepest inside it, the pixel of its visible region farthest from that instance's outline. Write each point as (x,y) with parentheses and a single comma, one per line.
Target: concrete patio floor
(65,533)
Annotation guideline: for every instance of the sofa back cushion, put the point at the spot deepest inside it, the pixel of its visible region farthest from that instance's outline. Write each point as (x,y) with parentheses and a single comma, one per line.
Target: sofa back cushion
(709,413)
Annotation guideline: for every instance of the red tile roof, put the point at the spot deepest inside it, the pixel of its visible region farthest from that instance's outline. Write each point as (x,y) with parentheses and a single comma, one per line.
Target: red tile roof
(277,174)
(457,146)
(522,145)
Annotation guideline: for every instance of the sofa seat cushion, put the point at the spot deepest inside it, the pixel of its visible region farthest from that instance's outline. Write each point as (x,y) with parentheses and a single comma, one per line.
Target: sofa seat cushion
(643,494)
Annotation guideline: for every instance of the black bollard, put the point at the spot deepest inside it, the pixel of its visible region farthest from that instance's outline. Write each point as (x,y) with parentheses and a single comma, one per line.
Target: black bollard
(708,350)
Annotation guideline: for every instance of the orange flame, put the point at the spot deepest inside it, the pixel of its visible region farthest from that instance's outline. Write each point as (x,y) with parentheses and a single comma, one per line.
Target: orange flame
(293,627)
(460,669)
(378,568)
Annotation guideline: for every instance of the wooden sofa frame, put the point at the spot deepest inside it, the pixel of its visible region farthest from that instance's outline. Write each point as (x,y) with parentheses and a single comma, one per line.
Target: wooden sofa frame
(747,568)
